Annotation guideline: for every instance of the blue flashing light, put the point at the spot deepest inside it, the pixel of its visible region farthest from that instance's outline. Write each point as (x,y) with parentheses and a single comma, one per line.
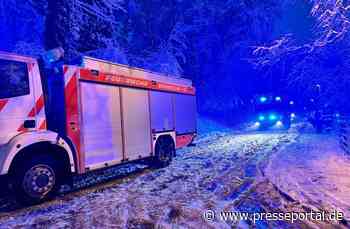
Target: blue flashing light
(263,99)
(278,99)
(291,102)
(272,117)
(261,118)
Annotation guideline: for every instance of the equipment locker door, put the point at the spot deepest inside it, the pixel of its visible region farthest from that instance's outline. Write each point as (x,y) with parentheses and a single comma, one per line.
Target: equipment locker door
(185,114)
(101,124)
(136,123)
(162,111)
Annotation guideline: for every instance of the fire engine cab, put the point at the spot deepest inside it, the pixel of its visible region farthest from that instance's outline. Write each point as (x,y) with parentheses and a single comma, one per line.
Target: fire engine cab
(60,121)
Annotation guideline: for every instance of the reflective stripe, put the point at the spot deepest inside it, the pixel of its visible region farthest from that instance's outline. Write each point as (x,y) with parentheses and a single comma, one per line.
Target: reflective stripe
(124,80)
(3,104)
(33,112)
(43,125)
(72,113)
(38,106)
(21,129)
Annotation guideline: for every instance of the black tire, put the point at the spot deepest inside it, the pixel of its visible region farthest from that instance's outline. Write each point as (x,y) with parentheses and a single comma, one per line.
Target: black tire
(164,152)
(36,180)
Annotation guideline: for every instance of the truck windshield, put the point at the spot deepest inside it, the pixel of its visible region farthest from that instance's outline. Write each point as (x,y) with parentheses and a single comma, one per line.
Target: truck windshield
(14,80)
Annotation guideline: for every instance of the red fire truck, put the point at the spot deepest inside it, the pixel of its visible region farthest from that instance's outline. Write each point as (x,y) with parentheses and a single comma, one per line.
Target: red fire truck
(57,122)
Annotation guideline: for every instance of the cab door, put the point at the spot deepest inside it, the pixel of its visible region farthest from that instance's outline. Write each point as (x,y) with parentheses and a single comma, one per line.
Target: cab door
(16,97)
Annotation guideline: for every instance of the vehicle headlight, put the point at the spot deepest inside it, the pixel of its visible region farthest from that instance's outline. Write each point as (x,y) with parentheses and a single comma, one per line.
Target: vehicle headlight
(272,117)
(261,118)
(263,99)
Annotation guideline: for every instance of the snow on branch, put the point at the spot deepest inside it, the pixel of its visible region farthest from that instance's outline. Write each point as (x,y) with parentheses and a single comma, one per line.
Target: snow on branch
(333,19)
(324,60)
(333,22)
(271,55)
(102,9)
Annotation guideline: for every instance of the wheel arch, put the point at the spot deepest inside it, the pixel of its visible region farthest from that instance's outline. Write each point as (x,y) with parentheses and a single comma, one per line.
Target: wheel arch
(23,145)
(166,137)
(156,137)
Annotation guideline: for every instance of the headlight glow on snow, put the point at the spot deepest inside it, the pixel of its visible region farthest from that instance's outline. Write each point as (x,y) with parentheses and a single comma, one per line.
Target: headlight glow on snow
(279,124)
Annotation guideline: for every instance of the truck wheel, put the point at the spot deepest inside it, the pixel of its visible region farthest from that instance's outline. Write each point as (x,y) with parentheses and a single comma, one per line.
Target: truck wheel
(164,152)
(36,180)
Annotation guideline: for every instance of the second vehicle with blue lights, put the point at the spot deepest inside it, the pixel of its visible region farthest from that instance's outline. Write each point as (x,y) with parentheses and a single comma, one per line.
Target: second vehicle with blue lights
(273,112)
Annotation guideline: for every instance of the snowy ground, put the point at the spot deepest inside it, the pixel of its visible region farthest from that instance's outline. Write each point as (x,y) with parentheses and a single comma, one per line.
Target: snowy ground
(227,170)
(314,173)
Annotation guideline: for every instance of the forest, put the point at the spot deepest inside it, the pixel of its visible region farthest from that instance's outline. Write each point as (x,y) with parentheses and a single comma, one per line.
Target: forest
(232,50)
(110,147)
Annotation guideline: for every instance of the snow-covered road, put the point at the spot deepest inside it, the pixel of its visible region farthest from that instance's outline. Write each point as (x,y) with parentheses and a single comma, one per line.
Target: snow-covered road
(226,171)
(315,173)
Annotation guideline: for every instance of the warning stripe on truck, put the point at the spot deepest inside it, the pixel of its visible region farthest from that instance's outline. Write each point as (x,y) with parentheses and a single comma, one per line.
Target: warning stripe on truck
(41,119)
(37,110)
(43,125)
(72,112)
(122,80)
(39,105)
(3,104)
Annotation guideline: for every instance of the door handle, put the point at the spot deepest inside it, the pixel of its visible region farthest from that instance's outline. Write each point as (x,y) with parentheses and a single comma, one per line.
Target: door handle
(29,124)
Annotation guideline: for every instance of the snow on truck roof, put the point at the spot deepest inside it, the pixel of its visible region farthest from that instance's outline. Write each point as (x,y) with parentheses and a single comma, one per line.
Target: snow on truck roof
(119,69)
